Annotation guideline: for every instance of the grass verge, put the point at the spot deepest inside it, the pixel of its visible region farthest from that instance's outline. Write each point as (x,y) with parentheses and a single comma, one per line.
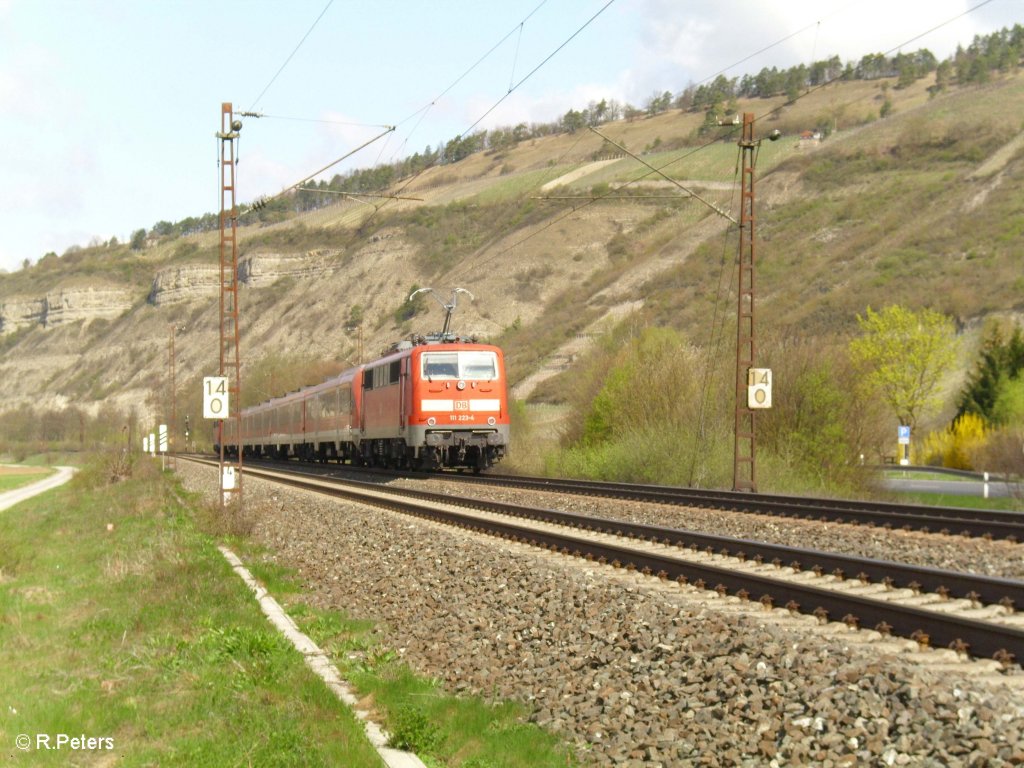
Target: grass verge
(442,729)
(957,500)
(16,477)
(120,621)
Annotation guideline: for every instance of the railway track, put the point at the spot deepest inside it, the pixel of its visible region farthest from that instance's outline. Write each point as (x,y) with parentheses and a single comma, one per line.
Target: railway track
(927,519)
(970,613)
(981,523)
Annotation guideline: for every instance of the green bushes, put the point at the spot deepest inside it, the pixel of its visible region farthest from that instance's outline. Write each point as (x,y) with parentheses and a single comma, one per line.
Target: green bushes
(987,430)
(414,731)
(647,408)
(637,413)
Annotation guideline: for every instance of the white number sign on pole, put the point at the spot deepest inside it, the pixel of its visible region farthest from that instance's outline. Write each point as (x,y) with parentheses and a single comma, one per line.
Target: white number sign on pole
(215,397)
(759,388)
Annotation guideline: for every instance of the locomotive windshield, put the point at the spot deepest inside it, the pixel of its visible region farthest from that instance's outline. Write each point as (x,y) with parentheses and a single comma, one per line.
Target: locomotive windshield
(473,366)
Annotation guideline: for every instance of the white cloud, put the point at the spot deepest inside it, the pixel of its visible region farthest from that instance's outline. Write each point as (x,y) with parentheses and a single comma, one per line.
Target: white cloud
(682,43)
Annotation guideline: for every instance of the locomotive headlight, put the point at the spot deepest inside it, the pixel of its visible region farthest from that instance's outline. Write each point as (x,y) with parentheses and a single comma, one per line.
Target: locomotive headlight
(491,421)
(431,421)
(461,385)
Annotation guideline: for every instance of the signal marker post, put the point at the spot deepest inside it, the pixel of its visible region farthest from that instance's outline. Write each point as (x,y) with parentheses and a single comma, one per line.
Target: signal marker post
(759,388)
(162,437)
(217,406)
(744,472)
(230,364)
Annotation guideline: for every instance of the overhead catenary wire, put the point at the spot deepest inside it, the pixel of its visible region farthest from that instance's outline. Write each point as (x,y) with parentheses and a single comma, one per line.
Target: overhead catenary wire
(261,202)
(313,120)
(355,194)
(422,111)
(532,72)
(433,102)
(290,56)
(612,197)
(715,140)
(767,48)
(713,345)
(668,178)
(467,265)
(891,50)
(474,264)
(515,58)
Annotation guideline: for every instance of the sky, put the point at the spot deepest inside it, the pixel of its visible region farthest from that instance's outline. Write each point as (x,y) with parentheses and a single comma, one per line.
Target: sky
(109,108)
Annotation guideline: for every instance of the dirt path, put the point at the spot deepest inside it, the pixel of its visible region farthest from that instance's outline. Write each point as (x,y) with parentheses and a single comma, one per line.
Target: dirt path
(10,498)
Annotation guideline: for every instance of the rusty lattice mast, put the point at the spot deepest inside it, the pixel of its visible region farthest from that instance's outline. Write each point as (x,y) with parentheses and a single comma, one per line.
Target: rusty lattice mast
(230,365)
(744,477)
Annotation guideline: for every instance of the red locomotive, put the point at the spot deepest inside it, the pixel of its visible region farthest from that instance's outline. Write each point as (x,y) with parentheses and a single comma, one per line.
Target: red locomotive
(428,403)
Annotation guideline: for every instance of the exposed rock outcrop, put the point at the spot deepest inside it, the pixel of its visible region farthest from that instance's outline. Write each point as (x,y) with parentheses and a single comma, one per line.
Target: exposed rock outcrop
(20,311)
(64,305)
(184,283)
(197,281)
(260,269)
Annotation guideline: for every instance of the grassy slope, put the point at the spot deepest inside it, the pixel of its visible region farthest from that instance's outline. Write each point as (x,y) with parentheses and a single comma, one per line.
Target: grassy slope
(905,209)
(12,477)
(120,619)
(142,634)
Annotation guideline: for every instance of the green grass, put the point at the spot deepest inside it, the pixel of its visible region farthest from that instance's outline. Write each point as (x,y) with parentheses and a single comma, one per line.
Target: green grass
(449,730)
(715,162)
(48,459)
(11,478)
(443,729)
(515,187)
(142,634)
(955,500)
(120,619)
(899,474)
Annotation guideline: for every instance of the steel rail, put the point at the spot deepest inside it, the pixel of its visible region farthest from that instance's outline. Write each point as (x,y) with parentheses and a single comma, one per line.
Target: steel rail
(928,519)
(978,523)
(979,638)
(975,587)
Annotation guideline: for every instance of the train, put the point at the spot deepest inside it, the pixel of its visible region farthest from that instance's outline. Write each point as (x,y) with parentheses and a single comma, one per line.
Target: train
(436,402)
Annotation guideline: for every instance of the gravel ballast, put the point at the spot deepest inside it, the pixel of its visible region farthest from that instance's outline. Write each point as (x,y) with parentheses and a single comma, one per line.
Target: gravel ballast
(631,670)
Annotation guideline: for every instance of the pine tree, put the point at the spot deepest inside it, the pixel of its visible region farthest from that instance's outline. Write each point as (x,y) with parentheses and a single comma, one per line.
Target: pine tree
(999,363)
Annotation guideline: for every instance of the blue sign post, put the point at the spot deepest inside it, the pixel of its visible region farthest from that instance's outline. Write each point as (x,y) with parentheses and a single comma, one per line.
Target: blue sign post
(903,439)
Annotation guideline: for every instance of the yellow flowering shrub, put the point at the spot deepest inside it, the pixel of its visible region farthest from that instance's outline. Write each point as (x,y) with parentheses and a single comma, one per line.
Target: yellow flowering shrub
(955,446)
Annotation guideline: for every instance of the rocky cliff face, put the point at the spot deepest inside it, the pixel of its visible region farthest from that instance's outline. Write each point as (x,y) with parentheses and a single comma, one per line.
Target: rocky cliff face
(21,311)
(67,305)
(197,281)
(261,269)
(184,283)
(63,305)
(172,285)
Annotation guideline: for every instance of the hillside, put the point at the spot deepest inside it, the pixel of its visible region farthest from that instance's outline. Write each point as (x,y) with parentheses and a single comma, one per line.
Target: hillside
(921,208)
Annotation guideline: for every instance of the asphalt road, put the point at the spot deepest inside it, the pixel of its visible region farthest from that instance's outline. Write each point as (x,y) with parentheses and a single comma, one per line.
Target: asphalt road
(910,484)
